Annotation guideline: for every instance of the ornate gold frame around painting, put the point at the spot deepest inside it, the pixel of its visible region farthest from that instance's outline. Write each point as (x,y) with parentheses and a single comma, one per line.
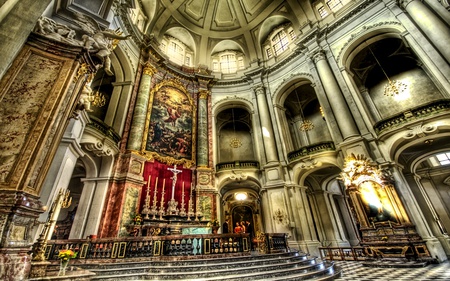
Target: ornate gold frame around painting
(358,171)
(150,155)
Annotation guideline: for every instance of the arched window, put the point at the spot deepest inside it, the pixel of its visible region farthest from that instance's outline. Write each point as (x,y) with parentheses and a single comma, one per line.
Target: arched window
(177,52)
(279,40)
(440,159)
(228,62)
(326,7)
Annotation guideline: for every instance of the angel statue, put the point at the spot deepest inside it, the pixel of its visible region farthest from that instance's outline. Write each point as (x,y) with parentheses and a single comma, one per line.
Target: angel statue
(102,42)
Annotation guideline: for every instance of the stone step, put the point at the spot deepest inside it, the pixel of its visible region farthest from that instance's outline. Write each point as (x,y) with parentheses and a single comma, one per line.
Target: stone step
(201,271)
(268,267)
(204,263)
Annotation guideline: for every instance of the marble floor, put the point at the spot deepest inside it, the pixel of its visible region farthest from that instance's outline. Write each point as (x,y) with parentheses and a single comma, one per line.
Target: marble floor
(357,272)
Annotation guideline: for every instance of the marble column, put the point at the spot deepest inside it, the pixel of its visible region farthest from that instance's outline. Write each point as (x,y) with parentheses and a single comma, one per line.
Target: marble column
(140,109)
(266,124)
(431,25)
(202,133)
(334,94)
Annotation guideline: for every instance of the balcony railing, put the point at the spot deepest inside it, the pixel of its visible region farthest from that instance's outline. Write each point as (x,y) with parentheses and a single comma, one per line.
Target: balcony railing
(310,150)
(106,130)
(237,165)
(342,253)
(412,114)
(169,246)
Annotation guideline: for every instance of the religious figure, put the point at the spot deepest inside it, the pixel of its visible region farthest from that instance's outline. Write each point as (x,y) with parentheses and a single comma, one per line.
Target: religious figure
(60,32)
(101,42)
(174,114)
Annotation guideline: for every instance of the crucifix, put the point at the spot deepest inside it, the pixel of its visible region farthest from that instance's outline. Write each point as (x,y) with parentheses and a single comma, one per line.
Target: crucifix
(172,204)
(174,178)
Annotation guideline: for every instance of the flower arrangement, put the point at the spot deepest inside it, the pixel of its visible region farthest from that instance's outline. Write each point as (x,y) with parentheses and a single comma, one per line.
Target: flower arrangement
(137,219)
(66,255)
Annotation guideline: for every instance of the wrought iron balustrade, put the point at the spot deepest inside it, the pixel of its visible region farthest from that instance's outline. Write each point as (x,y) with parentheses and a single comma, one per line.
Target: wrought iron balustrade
(412,114)
(106,130)
(237,165)
(310,150)
(152,246)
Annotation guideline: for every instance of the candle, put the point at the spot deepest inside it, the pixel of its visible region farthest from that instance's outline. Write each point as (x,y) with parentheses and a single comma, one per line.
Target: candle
(148,182)
(156,184)
(182,189)
(164,184)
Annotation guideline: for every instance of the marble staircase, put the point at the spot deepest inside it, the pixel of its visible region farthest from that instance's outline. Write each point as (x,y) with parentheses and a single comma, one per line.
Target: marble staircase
(268,267)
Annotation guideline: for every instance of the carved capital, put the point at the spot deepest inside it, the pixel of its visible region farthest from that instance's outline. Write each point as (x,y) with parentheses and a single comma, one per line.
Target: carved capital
(204,94)
(320,55)
(149,69)
(259,90)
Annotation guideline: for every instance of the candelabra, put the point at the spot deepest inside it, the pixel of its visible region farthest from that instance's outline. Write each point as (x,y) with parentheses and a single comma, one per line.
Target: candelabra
(146,209)
(161,208)
(182,209)
(154,209)
(191,207)
(62,201)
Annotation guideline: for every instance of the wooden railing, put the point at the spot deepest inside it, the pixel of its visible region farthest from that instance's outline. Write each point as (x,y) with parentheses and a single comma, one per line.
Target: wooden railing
(172,245)
(342,253)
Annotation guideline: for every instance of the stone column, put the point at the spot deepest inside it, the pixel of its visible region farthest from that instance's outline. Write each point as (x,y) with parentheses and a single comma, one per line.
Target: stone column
(202,133)
(97,202)
(417,216)
(431,25)
(140,109)
(308,238)
(334,94)
(266,123)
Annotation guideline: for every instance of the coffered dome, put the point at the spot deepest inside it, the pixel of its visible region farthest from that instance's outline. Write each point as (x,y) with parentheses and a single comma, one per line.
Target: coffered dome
(211,26)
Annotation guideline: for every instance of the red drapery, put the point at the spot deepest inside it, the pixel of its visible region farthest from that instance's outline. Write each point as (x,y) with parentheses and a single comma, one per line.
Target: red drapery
(157,171)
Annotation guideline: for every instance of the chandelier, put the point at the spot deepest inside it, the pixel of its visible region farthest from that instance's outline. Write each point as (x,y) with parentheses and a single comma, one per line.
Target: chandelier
(305,124)
(234,142)
(97,98)
(393,87)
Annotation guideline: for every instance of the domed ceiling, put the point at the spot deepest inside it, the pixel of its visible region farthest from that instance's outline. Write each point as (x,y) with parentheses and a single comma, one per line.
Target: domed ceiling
(228,22)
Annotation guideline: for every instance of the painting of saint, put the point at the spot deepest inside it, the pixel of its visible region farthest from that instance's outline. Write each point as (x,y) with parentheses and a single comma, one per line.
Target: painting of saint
(171,123)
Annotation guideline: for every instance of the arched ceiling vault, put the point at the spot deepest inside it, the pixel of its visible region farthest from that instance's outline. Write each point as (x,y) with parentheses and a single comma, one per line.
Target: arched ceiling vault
(212,21)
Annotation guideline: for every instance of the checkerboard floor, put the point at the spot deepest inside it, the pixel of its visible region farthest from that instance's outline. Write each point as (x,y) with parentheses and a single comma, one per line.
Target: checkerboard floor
(356,271)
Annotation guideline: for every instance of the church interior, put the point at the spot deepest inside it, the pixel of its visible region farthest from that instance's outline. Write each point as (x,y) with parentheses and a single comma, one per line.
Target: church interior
(172,129)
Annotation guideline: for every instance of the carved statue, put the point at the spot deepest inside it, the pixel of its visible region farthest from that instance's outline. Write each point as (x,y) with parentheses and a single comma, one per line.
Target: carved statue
(97,40)
(60,32)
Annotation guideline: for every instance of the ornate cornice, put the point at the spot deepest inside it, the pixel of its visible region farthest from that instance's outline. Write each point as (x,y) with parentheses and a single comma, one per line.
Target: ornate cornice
(364,29)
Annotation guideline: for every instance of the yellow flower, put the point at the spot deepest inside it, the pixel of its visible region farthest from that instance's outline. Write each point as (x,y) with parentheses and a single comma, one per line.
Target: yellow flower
(67,254)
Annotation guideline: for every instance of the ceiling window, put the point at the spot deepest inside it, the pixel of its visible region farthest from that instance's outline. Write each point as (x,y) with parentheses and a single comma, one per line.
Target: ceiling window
(279,40)
(177,52)
(440,159)
(326,7)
